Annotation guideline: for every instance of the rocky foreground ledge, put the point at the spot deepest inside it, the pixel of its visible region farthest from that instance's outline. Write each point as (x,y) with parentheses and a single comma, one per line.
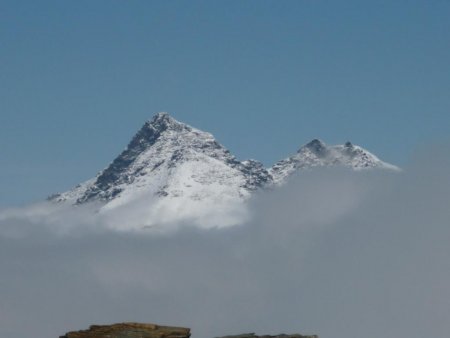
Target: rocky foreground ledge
(130,330)
(138,330)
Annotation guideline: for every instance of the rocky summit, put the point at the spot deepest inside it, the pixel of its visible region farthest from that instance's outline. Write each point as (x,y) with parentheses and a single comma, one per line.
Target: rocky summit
(130,330)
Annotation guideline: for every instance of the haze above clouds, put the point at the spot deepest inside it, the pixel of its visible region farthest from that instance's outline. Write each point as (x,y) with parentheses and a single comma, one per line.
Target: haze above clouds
(334,253)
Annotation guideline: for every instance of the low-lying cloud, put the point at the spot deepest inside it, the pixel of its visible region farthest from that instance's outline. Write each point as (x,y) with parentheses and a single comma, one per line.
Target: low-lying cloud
(333,253)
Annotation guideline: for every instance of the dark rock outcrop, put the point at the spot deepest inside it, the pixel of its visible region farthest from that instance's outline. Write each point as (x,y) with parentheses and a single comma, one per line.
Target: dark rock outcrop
(138,330)
(252,335)
(130,330)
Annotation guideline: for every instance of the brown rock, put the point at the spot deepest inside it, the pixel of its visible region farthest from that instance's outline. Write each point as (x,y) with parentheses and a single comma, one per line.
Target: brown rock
(138,330)
(130,330)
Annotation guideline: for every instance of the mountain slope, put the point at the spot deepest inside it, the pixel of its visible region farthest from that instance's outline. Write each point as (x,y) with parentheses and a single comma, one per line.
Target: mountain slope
(317,154)
(172,173)
(175,172)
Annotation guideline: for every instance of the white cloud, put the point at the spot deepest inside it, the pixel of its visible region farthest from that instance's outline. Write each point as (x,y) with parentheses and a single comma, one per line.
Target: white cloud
(332,253)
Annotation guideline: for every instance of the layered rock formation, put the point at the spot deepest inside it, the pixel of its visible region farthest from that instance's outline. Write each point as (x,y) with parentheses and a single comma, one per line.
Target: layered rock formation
(130,330)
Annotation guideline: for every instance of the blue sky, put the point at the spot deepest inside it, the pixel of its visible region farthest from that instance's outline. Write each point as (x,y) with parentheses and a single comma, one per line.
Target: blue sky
(78,78)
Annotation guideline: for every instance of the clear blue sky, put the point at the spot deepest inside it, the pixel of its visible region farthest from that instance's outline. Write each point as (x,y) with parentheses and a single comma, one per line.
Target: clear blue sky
(78,78)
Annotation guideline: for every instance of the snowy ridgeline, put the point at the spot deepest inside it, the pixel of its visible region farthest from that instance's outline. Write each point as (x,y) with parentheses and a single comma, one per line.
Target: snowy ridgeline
(172,172)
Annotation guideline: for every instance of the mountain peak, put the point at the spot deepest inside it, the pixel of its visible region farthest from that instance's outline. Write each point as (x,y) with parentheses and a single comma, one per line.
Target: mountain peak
(348,144)
(167,159)
(317,154)
(181,172)
(162,117)
(163,121)
(152,130)
(317,146)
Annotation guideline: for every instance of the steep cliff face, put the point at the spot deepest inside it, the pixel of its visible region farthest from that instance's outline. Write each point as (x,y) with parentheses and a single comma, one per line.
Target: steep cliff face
(130,330)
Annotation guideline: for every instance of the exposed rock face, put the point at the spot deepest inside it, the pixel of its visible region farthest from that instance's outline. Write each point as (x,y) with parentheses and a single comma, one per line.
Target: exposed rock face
(252,335)
(130,330)
(138,330)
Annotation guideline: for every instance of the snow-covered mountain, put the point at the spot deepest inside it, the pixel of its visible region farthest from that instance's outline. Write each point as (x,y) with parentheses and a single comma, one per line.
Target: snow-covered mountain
(174,172)
(171,172)
(317,154)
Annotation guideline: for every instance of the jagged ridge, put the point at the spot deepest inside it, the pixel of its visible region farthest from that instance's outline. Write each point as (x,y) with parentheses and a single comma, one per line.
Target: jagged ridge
(177,172)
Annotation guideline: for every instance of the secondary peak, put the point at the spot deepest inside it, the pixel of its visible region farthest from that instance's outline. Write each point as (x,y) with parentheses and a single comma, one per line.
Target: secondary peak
(316,145)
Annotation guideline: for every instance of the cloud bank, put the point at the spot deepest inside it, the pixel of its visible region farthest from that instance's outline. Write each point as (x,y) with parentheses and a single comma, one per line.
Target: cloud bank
(333,253)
